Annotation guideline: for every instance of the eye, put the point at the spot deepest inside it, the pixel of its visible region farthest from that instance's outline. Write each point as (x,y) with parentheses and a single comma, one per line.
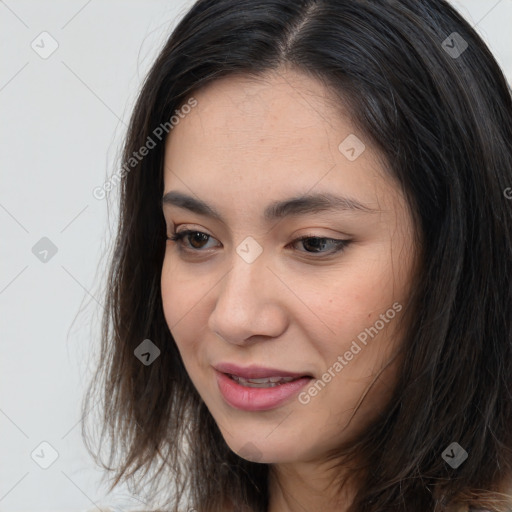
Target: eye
(198,237)
(316,243)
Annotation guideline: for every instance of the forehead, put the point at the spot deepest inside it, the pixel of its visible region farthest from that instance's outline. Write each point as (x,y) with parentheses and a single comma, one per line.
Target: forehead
(251,139)
(275,110)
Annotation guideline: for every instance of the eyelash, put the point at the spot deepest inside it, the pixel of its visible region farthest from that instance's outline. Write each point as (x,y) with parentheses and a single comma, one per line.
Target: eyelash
(340,244)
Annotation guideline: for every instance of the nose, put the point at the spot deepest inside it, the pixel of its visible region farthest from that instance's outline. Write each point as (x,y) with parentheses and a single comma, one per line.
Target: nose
(249,304)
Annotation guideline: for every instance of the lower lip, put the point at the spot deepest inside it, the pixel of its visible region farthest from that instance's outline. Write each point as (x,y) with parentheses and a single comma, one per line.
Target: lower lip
(257,399)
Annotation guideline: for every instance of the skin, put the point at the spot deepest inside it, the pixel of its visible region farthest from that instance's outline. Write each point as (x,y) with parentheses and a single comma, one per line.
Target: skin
(247,143)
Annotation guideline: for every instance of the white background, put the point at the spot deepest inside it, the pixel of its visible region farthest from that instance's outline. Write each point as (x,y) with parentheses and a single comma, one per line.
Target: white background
(62,122)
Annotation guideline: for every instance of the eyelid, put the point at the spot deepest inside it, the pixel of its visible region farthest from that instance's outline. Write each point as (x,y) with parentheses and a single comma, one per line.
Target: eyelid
(340,244)
(174,228)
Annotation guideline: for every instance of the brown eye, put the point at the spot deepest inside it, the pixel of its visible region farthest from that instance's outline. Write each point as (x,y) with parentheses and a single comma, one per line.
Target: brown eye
(195,238)
(318,244)
(313,244)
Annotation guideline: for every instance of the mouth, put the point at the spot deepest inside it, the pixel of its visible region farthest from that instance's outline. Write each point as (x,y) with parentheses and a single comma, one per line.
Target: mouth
(253,391)
(258,374)
(269,382)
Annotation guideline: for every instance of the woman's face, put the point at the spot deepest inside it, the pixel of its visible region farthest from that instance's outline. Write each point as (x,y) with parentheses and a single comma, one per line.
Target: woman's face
(245,292)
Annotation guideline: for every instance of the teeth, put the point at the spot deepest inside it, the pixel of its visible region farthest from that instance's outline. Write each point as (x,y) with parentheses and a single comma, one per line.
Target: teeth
(268,382)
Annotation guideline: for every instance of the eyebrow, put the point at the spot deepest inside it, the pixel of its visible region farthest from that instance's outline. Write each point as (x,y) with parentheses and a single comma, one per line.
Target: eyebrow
(294,206)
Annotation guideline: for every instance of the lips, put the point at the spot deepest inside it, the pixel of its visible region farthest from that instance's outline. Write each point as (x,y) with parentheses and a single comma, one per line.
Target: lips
(256,388)
(267,382)
(257,372)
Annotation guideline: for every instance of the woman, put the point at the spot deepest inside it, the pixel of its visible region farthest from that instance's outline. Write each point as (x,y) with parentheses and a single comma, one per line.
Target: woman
(310,298)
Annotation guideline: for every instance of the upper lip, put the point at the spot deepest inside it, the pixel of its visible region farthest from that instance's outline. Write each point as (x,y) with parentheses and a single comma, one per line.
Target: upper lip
(255,372)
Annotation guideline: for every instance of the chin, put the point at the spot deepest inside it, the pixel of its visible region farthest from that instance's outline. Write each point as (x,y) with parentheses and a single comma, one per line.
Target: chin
(265,451)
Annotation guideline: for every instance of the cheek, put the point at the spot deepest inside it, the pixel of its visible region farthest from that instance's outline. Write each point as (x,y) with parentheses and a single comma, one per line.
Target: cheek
(181,302)
(171,290)
(348,300)
(347,322)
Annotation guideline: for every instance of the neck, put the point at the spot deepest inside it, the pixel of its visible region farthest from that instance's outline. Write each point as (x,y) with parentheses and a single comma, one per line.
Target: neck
(308,487)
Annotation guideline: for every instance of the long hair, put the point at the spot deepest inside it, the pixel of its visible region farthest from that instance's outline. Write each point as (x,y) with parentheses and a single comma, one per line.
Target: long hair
(423,86)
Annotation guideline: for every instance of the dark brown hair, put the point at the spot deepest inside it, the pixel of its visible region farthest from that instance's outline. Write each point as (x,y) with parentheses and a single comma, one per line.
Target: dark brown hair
(441,115)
